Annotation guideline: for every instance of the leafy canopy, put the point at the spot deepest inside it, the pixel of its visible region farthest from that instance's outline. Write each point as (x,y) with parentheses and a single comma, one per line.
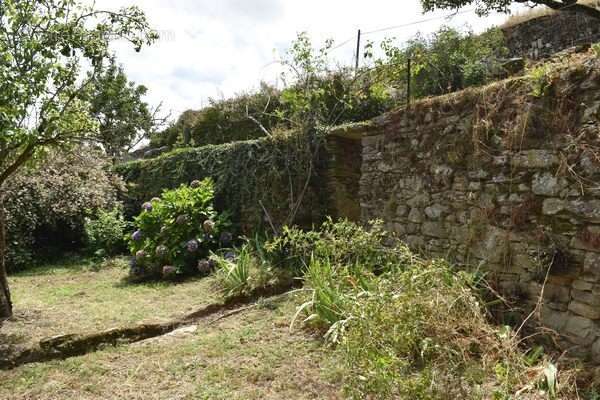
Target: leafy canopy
(484,7)
(116,103)
(44,46)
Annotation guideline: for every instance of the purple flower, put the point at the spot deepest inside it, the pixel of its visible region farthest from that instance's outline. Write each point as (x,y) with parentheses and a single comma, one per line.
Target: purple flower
(147,206)
(161,251)
(204,266)
(192,246)
(137,236)
(208,226)
(212,264)
(169,271)
(226,239)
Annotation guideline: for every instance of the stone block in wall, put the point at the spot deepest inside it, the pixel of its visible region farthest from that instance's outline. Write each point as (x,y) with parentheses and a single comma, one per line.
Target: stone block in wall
(546,184)
(553,206)
(492,245)
(587,239)
(434,229)
(436,211)
(585,310)
(588,209)
(535,159)
(591,264)
(415,215)
(556,320)
(586,297)
(580,330)
(582,285)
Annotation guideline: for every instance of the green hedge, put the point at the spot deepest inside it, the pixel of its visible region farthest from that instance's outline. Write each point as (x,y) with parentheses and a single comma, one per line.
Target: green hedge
(268,171)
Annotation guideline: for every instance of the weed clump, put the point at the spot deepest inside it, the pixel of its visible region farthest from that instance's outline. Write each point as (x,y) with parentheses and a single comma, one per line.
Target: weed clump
(407,327)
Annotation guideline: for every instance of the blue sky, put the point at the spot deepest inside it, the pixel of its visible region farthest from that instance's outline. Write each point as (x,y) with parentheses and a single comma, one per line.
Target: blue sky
(217,48)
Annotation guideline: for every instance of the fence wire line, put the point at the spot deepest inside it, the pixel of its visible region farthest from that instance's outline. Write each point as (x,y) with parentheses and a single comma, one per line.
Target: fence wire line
(408,24)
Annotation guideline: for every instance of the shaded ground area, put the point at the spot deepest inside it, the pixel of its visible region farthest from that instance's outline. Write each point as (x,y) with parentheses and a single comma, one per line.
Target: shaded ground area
(80,296)
(249,355)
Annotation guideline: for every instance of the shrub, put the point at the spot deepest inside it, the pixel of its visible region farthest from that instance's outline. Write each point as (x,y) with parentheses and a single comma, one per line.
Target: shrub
(241,271)
(415,329)
(596,49)
(541,81)
(341,242)
(176,231)
(447,61)
(105,232)
(48,202)
(233,274)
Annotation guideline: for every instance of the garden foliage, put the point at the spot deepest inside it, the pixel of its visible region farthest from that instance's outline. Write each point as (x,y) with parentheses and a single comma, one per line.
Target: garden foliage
(406,327)
(271,172)
(176,232)
(47,204)
(106,232)
(319,93)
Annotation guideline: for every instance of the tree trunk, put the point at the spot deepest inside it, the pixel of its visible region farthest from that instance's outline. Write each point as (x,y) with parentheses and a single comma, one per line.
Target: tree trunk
(5,302)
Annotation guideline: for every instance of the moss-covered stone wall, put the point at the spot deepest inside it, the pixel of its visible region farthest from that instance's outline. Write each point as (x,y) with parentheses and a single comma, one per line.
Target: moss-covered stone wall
(500,179)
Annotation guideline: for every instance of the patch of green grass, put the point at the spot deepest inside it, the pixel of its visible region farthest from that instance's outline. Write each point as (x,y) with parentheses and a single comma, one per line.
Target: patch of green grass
(79,296)
(251,355)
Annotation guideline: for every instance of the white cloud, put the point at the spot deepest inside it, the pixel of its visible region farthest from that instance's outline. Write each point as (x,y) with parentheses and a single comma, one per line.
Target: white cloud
(214,48)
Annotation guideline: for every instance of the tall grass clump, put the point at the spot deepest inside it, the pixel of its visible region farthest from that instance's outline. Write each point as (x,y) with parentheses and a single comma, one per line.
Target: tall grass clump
(406,327)
(241,270)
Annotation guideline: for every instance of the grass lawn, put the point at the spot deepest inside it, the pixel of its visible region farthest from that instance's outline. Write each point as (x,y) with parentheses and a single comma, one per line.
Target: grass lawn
(251,355)
(80,296)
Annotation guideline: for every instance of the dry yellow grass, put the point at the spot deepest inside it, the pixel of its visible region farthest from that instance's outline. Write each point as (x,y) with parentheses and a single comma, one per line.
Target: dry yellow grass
(539,11)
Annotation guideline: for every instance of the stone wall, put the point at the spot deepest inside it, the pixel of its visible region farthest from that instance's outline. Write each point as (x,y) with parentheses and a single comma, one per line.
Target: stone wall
(543,36)
(499,179)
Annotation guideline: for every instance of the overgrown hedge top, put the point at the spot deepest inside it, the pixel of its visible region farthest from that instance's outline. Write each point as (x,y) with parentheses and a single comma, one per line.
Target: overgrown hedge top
(251,177)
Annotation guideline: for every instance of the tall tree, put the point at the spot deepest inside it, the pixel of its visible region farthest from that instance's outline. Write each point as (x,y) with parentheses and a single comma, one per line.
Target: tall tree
(124,118)
(485,6)
(44,45)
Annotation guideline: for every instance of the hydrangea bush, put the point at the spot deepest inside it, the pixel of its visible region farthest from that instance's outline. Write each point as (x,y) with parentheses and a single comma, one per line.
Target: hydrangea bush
(175,233)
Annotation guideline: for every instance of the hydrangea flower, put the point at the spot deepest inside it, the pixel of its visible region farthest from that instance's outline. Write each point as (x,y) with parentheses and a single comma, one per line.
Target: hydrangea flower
(204,266)
(226,239)
(140,255)
(208,226)
(137,236)
(212,264)
(229,256)
(192,246)
(161,251)
(147,206)
(169,271)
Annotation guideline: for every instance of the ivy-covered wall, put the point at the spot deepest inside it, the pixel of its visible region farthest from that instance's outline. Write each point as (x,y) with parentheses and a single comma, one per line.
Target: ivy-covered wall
(260,181)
